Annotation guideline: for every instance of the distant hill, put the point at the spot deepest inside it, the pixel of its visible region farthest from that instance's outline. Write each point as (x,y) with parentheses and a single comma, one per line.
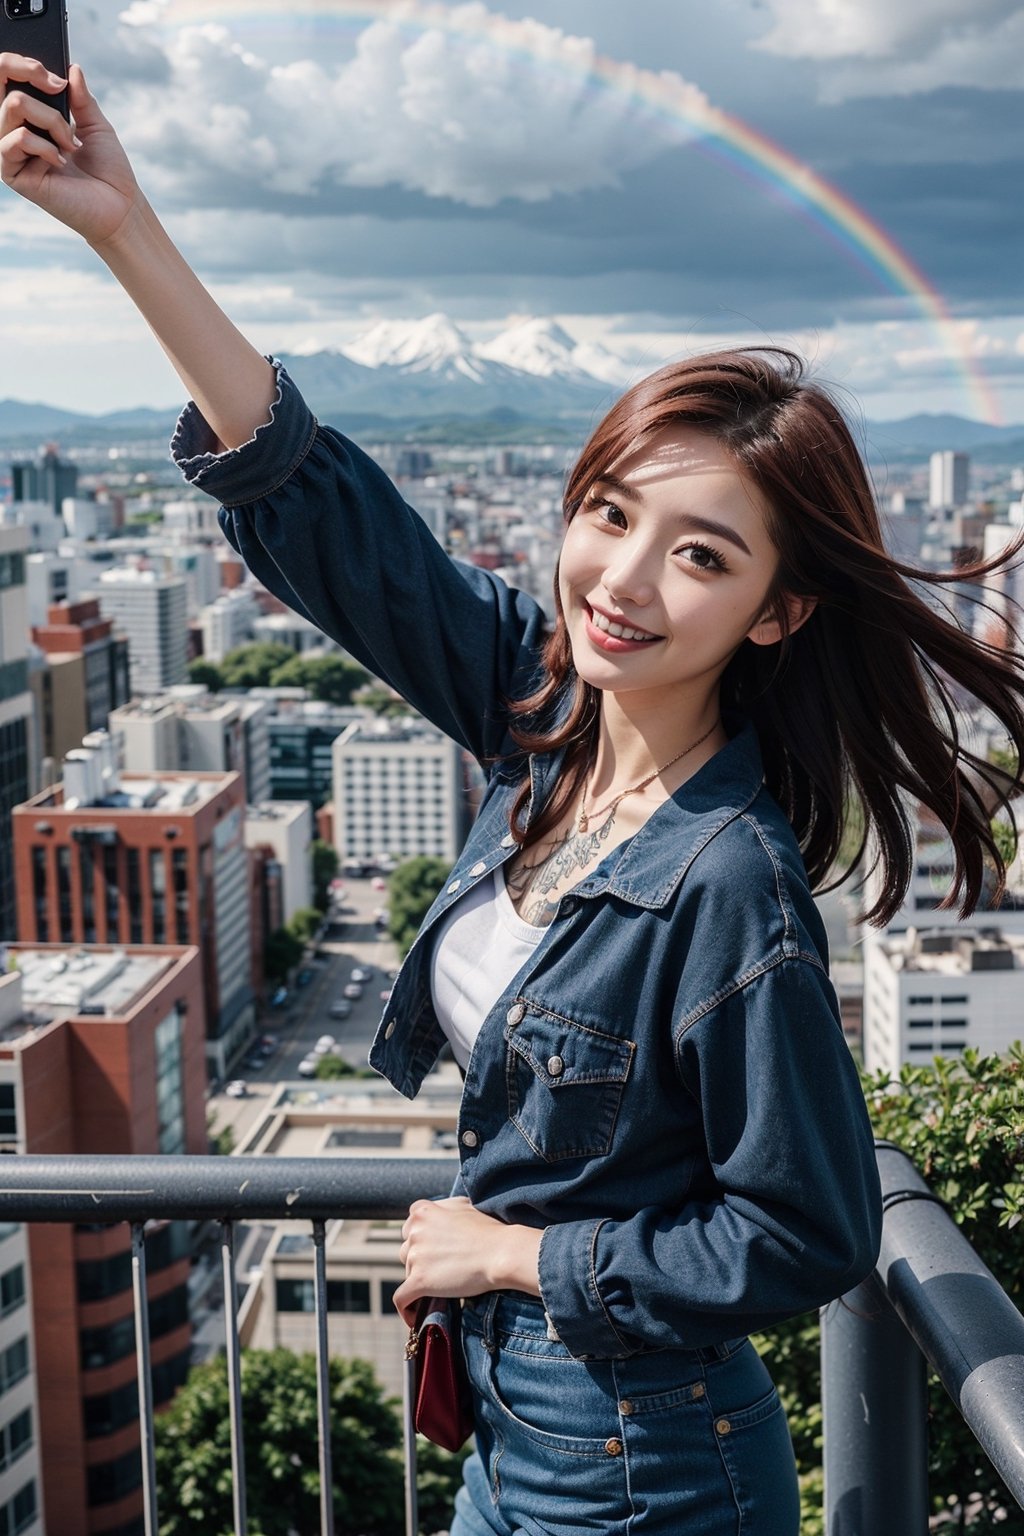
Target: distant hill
(426,378)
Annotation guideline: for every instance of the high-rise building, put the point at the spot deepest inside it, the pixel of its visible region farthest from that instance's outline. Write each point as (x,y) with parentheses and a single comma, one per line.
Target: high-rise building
(399,791)
(189,728)
(101,1052)
(50,578)
(302,733)
(19,754)
(948,476)
(286,832)
(104,857)
(228,622)
(151,610)
(49,479)
(86,675)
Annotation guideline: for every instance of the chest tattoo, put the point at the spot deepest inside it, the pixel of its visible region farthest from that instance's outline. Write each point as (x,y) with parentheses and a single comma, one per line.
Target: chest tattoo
(530,884)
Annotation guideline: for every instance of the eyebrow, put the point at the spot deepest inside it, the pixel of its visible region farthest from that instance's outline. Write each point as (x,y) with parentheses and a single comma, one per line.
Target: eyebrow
(701,524)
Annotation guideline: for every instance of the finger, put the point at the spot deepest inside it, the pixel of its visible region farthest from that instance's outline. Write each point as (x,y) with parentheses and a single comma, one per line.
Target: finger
(21,108)
(17,148)
(15,66)
(85,109)
(405,1299)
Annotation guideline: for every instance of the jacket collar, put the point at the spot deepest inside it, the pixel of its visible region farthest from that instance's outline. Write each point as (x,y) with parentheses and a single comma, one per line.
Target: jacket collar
(646,870)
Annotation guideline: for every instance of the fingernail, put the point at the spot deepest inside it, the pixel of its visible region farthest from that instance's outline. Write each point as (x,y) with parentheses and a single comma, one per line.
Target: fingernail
(77,142)
(62,158)
(57,79)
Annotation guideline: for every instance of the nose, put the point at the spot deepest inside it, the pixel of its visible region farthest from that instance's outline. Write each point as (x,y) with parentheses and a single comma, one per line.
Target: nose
(629,577)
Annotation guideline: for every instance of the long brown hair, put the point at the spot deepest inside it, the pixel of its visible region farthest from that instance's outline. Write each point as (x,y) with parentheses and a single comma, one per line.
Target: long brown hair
(856,710)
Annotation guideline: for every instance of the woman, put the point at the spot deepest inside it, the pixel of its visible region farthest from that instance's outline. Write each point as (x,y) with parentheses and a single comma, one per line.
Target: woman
(663,1142)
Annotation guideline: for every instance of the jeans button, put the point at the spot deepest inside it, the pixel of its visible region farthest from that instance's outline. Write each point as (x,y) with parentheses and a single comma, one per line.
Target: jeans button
(470,1139)
(613,1447)
(626,1406)
(516,1014)
(508,841)
(556,1066)
(478,868)
(722,1426)
(454,887)
(697,1390)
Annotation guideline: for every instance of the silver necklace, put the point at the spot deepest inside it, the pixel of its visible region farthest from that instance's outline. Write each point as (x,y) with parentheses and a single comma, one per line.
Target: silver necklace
(585,818)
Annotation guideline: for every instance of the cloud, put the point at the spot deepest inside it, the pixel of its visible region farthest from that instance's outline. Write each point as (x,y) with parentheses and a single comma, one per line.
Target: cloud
(878,47)
(508,112)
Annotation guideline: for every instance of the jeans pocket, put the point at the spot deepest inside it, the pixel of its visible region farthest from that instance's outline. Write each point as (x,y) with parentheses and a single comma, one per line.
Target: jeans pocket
(565,1083)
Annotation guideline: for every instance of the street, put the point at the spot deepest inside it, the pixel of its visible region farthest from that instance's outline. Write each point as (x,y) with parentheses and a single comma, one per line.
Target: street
(352,940)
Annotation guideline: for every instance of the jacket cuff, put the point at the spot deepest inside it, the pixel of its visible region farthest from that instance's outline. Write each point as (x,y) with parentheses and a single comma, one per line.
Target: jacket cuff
(568,1288)
(238,476)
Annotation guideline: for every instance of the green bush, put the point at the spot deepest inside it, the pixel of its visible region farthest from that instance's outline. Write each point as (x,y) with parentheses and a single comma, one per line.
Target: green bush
(961,1121)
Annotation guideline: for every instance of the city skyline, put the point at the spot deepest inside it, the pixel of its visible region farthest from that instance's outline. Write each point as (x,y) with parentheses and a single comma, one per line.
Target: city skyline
(478,160)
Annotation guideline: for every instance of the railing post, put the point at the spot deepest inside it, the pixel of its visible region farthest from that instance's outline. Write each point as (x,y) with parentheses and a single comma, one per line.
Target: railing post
(234,1364)
(148,1444)
(874,1402)
(323,1379)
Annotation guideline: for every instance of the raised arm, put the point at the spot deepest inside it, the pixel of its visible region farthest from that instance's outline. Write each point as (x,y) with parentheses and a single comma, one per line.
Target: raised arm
(84,179)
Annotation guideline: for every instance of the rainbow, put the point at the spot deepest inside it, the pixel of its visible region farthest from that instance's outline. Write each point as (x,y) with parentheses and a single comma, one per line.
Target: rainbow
(835,217)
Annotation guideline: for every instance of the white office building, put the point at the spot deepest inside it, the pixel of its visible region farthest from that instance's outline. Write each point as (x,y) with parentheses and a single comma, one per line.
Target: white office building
(398,792)
(49,578)
(188,728)
(228,622)
(287,828)
(152,611)
(948,477)
(934,991)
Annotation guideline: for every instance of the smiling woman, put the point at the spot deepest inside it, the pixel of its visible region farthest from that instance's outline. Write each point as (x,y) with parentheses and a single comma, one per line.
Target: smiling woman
(663,1142)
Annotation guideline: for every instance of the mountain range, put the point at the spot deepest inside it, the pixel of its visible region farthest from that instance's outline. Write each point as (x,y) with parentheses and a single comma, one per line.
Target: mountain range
(532,379)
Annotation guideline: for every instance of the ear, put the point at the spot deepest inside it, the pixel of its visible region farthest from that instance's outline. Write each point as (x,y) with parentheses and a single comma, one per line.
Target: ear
(768,630)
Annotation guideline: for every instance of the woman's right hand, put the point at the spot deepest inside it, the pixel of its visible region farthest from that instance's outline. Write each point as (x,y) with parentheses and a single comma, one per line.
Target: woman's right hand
(88,185)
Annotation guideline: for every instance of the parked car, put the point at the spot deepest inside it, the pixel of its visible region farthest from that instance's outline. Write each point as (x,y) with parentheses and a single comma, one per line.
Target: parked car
(379,884)
(360,973)
(354,991)
(340,1009)
(279,998)
(237,1088)
(307,1066)
(269,1043)
(304,977)
(323,1045)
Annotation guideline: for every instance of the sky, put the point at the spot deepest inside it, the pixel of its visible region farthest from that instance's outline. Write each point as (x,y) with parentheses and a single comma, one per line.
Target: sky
(324,165)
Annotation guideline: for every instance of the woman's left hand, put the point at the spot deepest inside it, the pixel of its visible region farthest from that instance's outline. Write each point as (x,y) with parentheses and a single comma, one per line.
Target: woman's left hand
(451,1249)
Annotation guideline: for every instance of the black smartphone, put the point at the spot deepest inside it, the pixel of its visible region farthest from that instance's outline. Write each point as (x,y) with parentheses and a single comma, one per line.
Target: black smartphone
(37,29)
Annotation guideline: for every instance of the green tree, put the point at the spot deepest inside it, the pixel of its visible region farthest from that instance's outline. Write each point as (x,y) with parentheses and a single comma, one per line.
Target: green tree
(325,867)
(331,1066)
(251,666)
(411,890)
(381,699)
(961,1120)
(203,671)
(304,923)
(329,678)
(279,1415)
(281,951)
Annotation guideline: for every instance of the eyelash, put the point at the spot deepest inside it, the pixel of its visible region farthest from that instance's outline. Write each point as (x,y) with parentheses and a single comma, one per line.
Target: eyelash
(717,560)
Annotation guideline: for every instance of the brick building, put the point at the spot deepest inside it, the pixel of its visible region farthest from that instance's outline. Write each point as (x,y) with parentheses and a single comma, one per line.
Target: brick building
(101,1051)
(157,858)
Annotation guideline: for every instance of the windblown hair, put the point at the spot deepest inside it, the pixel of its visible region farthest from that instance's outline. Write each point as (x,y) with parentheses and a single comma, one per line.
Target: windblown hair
(856,710)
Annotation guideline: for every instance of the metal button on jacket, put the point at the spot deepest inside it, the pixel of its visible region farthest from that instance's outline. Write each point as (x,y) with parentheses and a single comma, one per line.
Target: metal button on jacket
(556,1066)
(516,1014)
(470,1139)
(454,887)
(478,868)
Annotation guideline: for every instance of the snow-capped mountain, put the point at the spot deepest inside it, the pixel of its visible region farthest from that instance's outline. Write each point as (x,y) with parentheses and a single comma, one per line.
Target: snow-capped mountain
(430,367)
(544,348)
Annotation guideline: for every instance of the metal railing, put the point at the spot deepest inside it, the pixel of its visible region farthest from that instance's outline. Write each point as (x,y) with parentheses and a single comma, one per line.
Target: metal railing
(226,1190)
(931,1299)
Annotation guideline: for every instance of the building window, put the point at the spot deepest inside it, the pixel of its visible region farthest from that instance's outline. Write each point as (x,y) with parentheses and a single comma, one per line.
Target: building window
(295,1296)
(179,875)
(40,896)
(387,1297)
(8,1113)
(112,888)
(19,1513)
(134,897)
(13,1364)
(64,894)
(110,1480)
(158,895)
(86,870)
(928,999)
(12,1289)
(170,1099)
(348,1296)
(105,1346)
(15,1439)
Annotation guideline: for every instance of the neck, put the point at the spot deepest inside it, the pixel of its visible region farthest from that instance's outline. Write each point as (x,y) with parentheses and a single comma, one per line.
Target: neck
(639,734)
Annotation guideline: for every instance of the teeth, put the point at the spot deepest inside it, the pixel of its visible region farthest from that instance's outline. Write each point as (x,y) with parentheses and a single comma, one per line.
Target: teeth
(619,631)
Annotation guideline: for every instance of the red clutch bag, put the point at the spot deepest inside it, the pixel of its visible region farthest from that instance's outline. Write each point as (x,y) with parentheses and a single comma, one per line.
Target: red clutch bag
(442,1401)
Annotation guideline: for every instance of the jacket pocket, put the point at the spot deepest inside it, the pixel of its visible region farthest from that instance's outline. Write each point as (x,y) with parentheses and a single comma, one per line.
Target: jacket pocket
(565,1083)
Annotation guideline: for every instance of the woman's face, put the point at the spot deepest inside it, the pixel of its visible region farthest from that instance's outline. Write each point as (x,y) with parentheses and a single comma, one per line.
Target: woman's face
(665,569)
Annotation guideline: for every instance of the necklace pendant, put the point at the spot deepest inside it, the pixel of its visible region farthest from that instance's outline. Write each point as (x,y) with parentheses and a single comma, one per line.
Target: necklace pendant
(582,822)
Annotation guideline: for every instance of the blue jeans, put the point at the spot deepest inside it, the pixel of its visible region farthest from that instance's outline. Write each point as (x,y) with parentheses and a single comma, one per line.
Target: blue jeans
(687,1442)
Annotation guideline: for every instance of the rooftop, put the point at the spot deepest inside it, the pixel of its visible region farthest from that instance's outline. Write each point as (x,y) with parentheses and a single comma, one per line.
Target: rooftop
(955,952)
(53,984)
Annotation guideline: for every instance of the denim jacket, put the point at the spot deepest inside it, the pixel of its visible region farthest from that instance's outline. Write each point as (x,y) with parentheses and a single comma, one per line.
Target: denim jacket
(664,1087)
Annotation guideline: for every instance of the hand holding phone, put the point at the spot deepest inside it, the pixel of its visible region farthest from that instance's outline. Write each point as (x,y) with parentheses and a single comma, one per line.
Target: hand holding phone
(38,29)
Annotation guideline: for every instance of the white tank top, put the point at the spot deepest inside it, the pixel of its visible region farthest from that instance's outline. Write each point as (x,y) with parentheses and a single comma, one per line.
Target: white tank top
(480,946)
